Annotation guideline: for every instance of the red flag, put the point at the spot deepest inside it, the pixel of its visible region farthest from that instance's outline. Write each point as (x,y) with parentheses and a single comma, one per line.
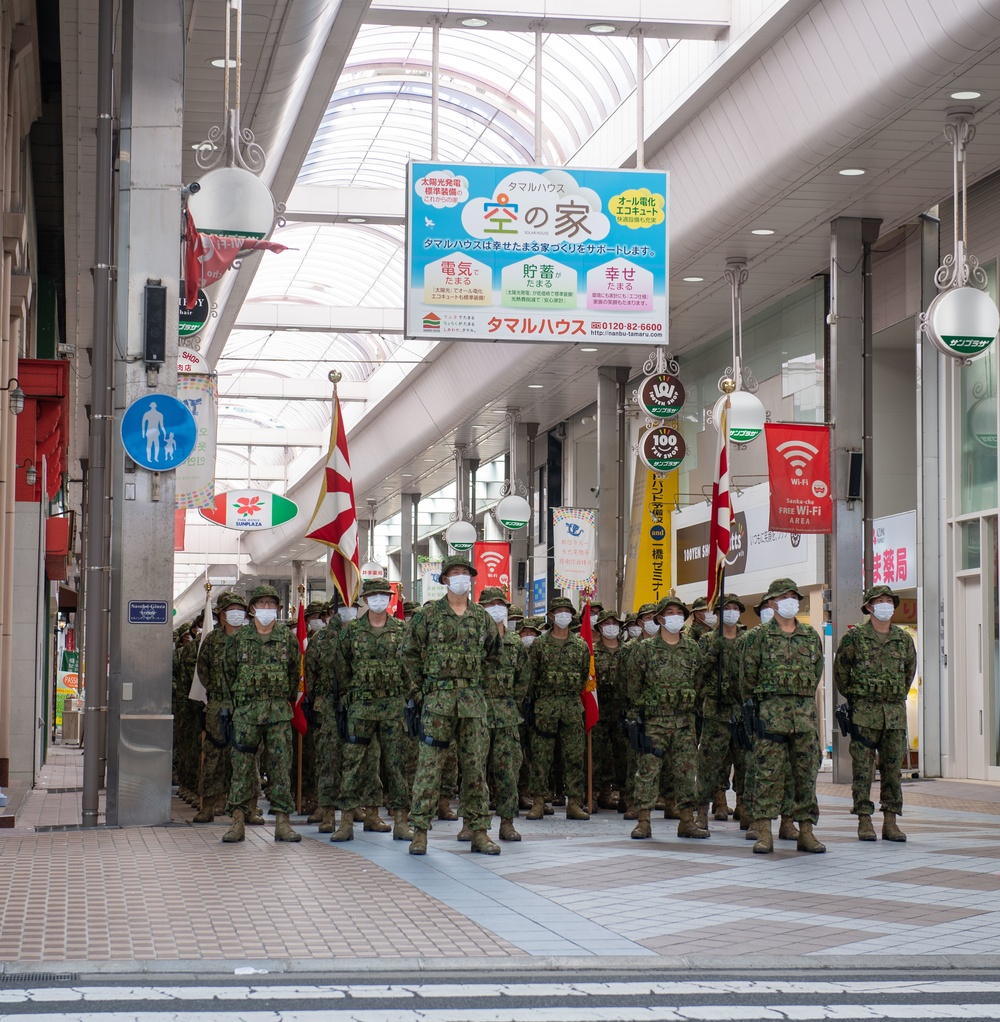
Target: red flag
(301,632)
(798,468)
(335,521)
(591,711)
(722,512)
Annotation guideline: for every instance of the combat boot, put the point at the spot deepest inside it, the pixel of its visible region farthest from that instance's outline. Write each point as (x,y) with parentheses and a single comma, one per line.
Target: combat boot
(328,820)
(418,846)
(631,813)
(537,810)
(559,799)
(890,831)
(548,810)
(374,822)
(765,840)
(317,816)
(575,811)
(642,829)
(751,834)
(207,815)
(507,832)
(670,810)
(720,808)
(345,832)
(236,830)
(401,829)
(255,818)
(445,812)
(807,840)
(607,800)
(788,831)
(738,811)
(746,818)
(465,834)
(524,802)
(283,830)
(481,843)
(360,814)
(701,817)
(688,827)
(866,832)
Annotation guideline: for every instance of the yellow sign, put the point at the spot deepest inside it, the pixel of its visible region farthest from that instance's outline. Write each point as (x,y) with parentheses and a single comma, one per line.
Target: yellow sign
(649,560)
(638,207)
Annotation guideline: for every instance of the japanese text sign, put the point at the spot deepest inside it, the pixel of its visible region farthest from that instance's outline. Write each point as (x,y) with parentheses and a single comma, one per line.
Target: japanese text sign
(574,533)
(798,466)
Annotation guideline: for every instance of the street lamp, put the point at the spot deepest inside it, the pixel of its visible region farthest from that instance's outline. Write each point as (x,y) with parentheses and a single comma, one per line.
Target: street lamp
(30,472)
(16,396)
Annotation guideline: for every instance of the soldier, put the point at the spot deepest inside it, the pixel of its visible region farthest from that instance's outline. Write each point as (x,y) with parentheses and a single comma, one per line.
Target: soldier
(703,618)
(609,743)
(446,649)
(529,630)
(782,665)
(324,697)
(558,669)
(645,626)
(261,672)
(374,685)
(663,681)
(874,665)
(515,615)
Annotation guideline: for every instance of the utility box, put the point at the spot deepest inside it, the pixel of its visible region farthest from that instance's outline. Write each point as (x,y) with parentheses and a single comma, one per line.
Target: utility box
(72,725)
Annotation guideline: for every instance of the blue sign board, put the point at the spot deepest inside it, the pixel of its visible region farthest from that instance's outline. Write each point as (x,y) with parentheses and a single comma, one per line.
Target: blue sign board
(539,597)
(147,612)
(158,432)
(507,253)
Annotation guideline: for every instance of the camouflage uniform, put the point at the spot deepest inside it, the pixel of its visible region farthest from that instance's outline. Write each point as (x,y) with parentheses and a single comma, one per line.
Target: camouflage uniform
(631,756)
(321,684)
(187,730)
(608,742)
(216,772)
(717,751)
(874,672)
(505,690)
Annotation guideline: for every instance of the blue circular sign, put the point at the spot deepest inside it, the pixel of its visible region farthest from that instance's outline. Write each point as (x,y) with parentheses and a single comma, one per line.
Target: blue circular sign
(158,432)
(657,533)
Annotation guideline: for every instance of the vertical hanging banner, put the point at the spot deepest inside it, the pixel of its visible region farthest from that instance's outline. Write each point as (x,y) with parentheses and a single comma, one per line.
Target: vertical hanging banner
(196,475)
(492,562)
(575,540)
(798,465)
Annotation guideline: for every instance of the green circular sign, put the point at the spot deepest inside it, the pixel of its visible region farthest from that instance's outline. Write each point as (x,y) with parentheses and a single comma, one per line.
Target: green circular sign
(662,449)
(513,512)
(661,395)
(963,322)
(461,536)
(191,321)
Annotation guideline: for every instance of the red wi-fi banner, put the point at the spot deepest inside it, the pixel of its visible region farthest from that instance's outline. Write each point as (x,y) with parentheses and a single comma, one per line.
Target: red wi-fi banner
(492,562)
(798,464)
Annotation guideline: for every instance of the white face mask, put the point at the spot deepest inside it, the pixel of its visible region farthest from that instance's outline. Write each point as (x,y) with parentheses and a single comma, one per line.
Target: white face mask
(528,640)
(236,616)
(883,611)
(710,618)
(766,613)
(562,618)
(593,620)
(265,615)
(650,627)
(314,624)
(730,617)
(347,613)
(459,584)
(635,631)
(498,613)
(378,603)
(788,607)
(610,631)
(673,623)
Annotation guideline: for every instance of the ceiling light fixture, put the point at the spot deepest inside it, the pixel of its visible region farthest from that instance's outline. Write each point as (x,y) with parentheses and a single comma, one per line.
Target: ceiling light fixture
(601,28)
(693,280)
(223,62)
(762,231)
(474,22)
(535,386)
(588,349)
(851,172)
(966,94)
(357,220)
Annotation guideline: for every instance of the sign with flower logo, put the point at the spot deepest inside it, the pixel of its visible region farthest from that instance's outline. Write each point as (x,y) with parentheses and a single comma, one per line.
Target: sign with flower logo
(249,509)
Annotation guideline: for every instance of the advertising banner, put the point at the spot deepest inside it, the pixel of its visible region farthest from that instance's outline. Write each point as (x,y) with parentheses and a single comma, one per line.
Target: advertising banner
(648,563)
(491,560)
(499,253)
(798,466)
(575,557)
(430,581)
(894,550)
(196,476)
(249,509)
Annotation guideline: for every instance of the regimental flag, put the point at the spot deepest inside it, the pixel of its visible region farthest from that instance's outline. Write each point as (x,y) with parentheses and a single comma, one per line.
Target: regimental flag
(335,521)
(591,710)
(301,633)
(722,513)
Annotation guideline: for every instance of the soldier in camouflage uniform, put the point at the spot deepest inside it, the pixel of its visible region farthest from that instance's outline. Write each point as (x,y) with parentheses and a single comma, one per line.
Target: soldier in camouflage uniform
(608,742)
(447,648)
(873,668)
(374,687)
(528,631)
(558,669)
(663,682)
(647,626)
(321,684)
(782,665)
(261,672)
(185,711)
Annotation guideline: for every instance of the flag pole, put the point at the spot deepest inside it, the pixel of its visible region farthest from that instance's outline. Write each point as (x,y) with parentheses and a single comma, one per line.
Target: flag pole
(302,667)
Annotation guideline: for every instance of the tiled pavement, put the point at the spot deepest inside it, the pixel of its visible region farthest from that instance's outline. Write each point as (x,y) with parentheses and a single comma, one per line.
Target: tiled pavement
(177,896)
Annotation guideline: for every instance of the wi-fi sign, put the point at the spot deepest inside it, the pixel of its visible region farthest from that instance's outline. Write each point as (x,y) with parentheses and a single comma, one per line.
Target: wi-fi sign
(491,559)
(797,453)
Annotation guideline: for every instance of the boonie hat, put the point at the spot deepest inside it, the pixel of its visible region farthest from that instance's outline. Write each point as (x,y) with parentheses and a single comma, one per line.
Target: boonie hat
(782,585)
(561,603)
(673,601)
(491,594)
(874,593)
(456,561)
(370,586)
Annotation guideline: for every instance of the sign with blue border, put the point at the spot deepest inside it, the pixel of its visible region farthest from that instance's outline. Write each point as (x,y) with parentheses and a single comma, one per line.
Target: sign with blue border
(158,432)
(147,612)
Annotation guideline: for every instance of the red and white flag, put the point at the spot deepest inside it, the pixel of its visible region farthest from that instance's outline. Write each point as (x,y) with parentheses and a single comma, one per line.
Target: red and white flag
(722,513)
(335,521)
(591,710)
(301,633)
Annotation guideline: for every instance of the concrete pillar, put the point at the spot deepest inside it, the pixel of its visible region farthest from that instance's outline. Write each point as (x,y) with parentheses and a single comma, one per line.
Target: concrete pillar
(610,567)
(408,541)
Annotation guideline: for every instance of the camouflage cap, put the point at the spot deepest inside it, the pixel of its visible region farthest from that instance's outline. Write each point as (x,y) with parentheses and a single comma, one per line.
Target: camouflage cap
(596,605)
(758,607)
(673,601)
(561,603)
(491,594)
(229,599)
(609,615)
(646,608)
(514,612)
(700,604)
(782,585)
(410,606)
(456,561)
(370,586)
(534,624)
(631,618)
(874,593)
(733,598)
(259,592)
(316,607)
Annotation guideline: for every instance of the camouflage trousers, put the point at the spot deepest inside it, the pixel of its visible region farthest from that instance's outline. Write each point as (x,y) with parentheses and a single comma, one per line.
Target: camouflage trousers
(610,750)
(361,761)
(718,754)
(750,787)
(503,764)
(471,741)
(276,740)
(214,771)
(560,716)
(676,737)
(786,777)
(890,744)
(329,760)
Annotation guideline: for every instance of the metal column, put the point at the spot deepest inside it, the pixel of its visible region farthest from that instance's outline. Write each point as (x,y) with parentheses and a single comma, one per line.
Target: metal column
(407,542)
(609,566)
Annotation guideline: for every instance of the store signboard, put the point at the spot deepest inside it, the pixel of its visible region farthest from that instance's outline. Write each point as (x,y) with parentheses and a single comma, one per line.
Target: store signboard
(894,550)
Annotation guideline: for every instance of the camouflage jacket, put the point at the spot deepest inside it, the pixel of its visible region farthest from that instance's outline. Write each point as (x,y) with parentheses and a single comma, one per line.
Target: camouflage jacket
(607,670)
(776,664)
(722,702)
(557,668)
(506,682)
(367,660)
(321,673)
(874,675)
(664,679)
(210,665)
(263,668)
(443,650)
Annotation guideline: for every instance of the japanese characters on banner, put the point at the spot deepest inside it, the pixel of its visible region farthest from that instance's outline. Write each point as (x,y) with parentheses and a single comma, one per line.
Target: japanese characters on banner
(575,541)
(894,550)
(196,476)
(491,559)
(430,581)
(798,465)
(502,253)
(650,542)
